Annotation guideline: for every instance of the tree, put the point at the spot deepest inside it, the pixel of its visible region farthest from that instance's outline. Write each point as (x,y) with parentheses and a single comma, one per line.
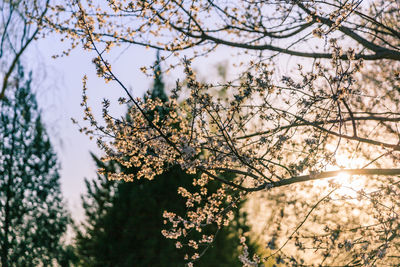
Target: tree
(124,219)
(336,115)
(21,24)
(33,215)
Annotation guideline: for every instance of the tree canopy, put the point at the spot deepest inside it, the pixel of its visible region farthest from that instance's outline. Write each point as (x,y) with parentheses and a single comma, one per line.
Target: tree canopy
(333,116)
(288,27)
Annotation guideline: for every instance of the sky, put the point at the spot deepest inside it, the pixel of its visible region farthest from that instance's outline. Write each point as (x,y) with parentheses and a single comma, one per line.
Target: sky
(59,93)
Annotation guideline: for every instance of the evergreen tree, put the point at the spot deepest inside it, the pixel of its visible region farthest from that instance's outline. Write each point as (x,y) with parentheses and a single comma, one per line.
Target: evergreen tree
(158,90)
(33,217)
(124,219)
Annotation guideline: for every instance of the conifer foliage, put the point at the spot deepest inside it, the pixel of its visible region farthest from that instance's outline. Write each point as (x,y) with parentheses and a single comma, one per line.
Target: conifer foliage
(33,217)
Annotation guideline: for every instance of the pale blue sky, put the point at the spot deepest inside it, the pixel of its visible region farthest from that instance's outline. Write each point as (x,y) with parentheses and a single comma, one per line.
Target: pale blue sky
(59,91)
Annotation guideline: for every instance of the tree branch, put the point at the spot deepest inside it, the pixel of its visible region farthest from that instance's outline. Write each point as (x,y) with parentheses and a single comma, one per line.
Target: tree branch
(328,174)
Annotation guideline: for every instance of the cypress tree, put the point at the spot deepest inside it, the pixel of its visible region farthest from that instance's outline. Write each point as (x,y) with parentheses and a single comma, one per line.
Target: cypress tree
(33,217)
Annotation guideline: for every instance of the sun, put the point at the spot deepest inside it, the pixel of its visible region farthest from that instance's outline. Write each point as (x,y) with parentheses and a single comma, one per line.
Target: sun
(349,186)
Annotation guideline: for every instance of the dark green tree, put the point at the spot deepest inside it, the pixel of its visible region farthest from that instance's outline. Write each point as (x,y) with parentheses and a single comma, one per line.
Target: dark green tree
(33,217)
(124,219)
(158,90)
